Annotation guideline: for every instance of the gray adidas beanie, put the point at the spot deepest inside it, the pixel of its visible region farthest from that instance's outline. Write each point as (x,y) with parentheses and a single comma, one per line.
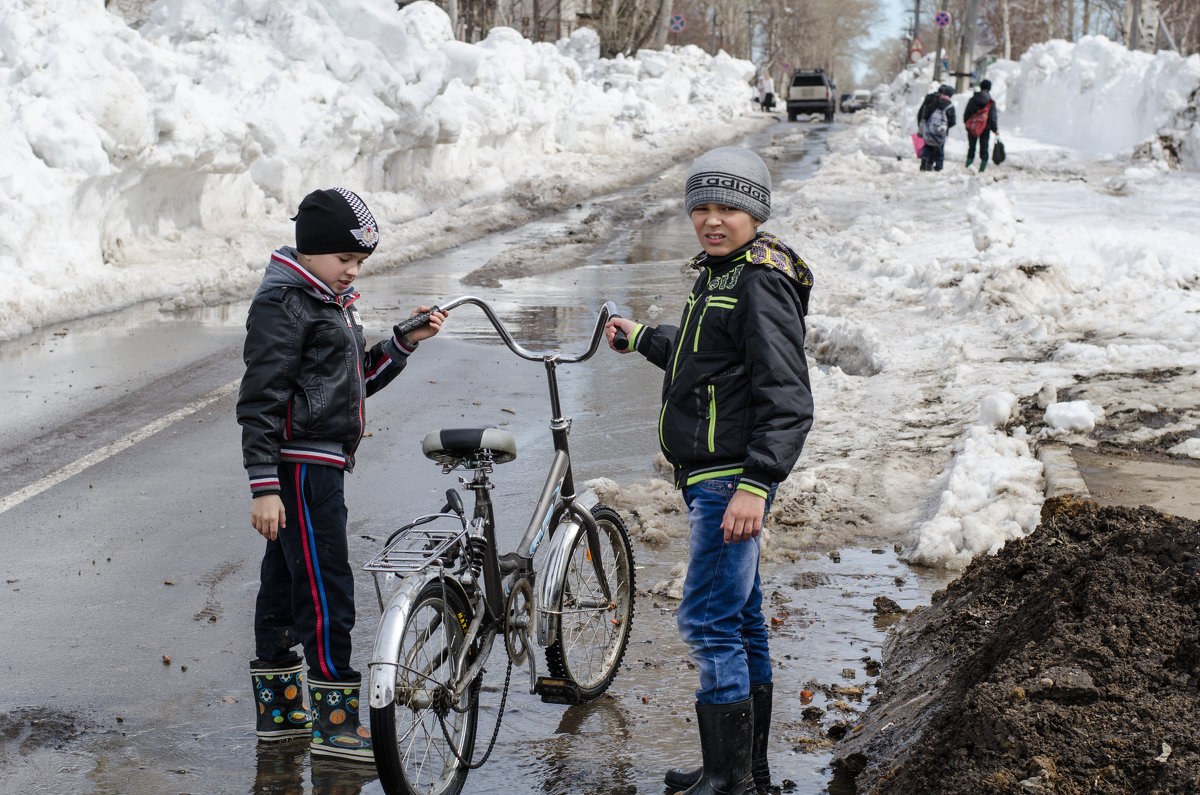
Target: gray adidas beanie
(731,176)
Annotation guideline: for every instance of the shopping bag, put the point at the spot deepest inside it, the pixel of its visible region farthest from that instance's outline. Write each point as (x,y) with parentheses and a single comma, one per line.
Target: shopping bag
(998,152)
(919,143)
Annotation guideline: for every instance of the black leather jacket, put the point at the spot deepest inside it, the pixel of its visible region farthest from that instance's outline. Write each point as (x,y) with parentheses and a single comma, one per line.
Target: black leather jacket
(736,397)
(308,373)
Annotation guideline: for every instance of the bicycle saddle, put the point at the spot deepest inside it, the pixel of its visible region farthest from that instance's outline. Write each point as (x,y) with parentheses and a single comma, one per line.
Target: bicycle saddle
(456,446)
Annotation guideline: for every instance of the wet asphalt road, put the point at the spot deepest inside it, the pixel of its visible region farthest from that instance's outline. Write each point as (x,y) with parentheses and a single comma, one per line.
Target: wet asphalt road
(130,568)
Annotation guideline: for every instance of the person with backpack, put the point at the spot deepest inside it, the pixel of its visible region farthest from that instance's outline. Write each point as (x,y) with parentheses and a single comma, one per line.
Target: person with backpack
(981,121)
(934,120)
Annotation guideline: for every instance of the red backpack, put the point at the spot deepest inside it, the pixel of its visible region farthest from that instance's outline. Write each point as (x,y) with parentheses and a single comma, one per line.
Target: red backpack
(978,120)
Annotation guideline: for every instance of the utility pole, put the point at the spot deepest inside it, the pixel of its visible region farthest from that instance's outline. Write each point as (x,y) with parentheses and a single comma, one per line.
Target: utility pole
(937,54)
(966,52)
(916,25)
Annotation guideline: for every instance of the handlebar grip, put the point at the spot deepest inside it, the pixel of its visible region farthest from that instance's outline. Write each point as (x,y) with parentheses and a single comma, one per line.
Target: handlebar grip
(620,338)
(413,323)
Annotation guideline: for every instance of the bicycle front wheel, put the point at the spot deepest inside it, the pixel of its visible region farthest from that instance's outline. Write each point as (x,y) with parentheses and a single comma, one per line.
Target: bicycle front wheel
(591,632)
(422,739)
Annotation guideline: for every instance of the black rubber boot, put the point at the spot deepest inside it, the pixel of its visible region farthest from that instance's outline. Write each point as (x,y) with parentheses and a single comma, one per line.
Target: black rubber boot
(680,779)
(726,742)
(279,696)
(336,729)
(762,696)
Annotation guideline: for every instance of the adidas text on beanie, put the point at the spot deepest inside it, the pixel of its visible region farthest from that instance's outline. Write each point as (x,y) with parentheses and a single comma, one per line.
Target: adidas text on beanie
(731,176)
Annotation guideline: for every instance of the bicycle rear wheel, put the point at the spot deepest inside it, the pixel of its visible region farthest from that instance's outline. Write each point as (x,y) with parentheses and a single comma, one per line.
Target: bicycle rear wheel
(413,755)
(591,632)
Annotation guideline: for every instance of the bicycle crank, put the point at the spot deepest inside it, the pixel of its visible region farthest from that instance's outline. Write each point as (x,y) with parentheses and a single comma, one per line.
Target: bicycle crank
(518,618)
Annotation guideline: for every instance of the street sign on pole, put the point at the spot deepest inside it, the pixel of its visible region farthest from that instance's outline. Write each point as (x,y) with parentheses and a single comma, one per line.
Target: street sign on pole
(677,23)
(942,20)
(915,50)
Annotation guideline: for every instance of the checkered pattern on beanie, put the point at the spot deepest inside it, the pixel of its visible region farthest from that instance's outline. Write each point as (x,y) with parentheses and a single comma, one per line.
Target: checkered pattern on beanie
(368,231)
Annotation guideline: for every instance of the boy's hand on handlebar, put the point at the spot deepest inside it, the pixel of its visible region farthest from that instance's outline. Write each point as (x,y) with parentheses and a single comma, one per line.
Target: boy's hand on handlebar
(619,342)
(432,327)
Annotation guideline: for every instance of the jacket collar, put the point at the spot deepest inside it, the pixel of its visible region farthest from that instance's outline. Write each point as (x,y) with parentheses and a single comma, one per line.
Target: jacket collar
(285,270)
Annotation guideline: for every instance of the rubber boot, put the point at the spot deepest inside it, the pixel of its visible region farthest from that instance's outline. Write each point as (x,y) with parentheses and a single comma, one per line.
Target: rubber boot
(726,743)
(970,160)
(761,695)
(279,696)
(336,730)
(982,166)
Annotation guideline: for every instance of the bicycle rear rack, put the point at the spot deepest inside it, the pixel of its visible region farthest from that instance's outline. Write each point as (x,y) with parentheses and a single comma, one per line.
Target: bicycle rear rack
(415,549)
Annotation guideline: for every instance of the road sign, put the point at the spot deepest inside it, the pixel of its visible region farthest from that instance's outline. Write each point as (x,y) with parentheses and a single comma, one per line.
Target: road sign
(916,50)
(678,23)
(787,67)
(942,20)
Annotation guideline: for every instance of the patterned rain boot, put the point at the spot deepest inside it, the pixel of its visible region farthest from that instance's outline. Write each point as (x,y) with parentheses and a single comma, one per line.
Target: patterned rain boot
(336,730)
(279,695)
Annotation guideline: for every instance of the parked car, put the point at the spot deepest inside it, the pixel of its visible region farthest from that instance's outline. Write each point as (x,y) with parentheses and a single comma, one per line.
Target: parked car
(842,102)
(811,91)
(857,101)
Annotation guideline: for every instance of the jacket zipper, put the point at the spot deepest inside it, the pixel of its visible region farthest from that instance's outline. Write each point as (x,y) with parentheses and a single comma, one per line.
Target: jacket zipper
(712,418)
(358,355)
(679,343)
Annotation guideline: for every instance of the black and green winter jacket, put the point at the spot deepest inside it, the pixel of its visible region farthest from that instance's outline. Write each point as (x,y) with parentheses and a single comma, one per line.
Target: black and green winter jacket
(736,398)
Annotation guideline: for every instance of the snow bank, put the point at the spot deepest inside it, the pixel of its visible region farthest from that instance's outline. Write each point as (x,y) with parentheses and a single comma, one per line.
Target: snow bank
(164,162)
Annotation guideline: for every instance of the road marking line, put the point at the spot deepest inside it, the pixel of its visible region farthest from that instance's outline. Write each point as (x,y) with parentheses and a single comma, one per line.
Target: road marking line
(109,450)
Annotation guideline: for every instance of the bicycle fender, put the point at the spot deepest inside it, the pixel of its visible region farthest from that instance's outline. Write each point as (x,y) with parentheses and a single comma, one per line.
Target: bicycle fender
(550,580)
(385,656)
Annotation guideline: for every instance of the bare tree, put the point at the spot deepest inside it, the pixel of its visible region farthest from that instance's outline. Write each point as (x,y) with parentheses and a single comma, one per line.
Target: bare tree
(626,26)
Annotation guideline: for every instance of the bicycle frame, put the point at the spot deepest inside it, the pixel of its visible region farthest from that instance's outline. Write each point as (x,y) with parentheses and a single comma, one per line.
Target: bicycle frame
(558,514)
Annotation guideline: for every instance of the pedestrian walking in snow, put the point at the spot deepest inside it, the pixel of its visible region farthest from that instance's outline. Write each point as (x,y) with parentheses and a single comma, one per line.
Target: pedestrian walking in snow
(981,119)
(737,407)
(300,405)
(934,120)
(766,91)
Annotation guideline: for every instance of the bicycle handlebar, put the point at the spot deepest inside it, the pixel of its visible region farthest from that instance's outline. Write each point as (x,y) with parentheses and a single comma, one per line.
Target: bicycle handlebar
(416,321)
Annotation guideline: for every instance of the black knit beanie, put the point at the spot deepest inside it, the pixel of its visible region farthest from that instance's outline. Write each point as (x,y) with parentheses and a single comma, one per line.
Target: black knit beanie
(335,221)
(731,176)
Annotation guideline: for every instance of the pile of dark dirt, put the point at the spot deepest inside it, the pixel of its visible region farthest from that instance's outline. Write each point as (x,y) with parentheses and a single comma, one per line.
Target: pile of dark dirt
(1069,662)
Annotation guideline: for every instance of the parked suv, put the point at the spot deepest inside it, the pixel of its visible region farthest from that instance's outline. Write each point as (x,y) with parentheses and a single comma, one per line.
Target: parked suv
(811,92)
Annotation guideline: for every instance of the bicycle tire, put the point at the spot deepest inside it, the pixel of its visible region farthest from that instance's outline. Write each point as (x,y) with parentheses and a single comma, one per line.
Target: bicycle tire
(590,635)
(412,754)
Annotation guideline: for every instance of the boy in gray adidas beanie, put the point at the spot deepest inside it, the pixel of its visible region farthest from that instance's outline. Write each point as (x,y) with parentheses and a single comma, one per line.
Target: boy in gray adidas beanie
(300,405)
(737,407)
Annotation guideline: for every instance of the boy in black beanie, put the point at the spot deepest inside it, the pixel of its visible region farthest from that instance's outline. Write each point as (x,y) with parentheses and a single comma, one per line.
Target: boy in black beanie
(736,410)
(308,373)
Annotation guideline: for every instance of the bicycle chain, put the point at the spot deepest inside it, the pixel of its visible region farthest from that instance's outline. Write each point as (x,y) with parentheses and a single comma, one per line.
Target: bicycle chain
(495,731)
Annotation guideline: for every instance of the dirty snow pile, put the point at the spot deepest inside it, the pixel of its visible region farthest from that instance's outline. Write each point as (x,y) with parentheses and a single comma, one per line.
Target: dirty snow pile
(162,162)
(962,319)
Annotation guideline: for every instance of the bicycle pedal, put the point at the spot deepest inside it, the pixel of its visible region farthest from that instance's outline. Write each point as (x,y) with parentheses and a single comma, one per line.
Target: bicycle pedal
(558,691)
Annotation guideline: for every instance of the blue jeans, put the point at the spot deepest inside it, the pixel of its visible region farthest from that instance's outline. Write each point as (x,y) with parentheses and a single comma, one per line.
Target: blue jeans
(720,616)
